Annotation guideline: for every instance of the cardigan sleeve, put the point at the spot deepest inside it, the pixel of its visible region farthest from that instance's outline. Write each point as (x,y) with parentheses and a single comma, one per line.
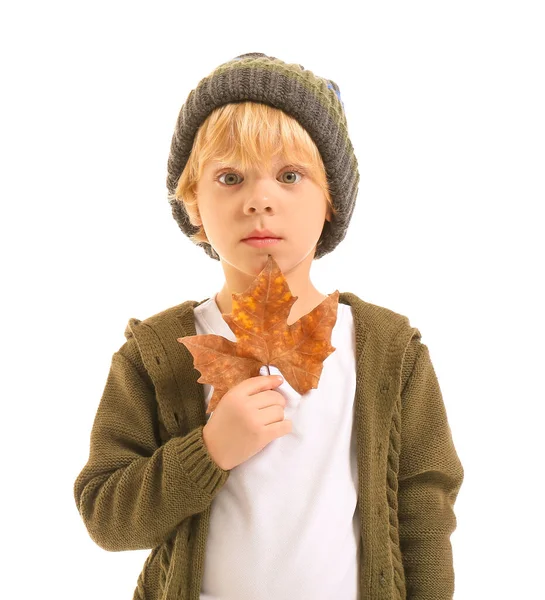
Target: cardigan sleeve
(430,477)
(134,492)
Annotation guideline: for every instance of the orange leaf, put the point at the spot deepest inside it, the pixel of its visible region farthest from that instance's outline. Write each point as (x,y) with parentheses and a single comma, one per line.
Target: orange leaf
(259,321)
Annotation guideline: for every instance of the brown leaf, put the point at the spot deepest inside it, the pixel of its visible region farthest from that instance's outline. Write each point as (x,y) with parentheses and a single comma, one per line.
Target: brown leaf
(259,321)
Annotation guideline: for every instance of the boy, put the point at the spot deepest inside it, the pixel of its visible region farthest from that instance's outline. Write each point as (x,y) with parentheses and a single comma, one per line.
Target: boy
(350,497)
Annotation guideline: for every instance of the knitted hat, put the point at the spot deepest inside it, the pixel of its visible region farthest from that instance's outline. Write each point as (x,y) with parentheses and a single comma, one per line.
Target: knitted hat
(311,100)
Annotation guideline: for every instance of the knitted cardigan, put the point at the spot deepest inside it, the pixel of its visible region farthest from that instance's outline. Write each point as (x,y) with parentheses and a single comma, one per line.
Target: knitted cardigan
(149,481)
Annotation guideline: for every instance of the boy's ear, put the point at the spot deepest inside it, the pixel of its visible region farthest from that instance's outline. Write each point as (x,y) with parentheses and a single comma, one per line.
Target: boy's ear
(196,219)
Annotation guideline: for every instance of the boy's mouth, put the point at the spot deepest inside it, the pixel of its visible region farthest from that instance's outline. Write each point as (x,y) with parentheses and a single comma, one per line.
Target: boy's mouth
(261,233)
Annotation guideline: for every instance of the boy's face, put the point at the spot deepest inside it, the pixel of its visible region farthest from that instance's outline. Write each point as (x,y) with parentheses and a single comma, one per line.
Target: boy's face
(281,198)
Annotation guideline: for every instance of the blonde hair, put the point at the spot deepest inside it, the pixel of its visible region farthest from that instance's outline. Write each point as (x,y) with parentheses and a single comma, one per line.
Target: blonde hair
(250,133)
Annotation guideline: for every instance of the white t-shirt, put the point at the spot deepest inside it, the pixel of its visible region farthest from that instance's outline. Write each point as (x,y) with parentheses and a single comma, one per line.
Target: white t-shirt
(285,526)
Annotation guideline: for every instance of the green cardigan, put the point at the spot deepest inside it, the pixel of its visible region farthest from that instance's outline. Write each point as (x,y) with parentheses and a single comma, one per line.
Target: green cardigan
(149,481)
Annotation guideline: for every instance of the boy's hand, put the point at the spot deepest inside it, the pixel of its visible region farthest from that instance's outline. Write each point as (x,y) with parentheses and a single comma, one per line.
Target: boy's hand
(248,417)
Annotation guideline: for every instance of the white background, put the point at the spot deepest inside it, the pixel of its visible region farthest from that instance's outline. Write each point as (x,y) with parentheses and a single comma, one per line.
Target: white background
(445,104)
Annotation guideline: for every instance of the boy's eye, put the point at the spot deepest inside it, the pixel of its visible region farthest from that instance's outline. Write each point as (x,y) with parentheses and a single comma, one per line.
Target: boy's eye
(232,175)
(291,172)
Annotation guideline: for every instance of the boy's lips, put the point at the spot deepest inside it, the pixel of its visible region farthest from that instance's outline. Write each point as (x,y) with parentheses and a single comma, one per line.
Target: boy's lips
(261,233)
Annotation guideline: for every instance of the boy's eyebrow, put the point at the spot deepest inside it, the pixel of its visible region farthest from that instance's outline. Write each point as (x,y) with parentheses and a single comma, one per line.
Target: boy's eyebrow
(220,164)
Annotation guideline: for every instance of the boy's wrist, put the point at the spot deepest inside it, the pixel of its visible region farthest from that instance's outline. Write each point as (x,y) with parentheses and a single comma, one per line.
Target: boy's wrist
(207,444)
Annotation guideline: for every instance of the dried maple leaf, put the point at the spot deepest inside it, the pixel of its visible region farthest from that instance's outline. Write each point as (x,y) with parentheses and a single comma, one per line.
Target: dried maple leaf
(259,321)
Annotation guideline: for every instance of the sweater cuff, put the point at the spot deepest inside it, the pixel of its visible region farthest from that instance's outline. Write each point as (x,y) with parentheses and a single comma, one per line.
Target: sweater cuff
(198,464)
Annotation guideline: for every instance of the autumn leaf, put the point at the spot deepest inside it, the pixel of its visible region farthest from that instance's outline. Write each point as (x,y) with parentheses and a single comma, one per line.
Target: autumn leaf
(259,321)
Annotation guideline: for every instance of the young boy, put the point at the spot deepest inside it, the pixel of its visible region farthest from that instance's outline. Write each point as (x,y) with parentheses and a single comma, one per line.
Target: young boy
(344,492)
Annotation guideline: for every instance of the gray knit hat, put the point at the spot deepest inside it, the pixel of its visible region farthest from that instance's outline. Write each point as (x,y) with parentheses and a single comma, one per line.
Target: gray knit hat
(313,101)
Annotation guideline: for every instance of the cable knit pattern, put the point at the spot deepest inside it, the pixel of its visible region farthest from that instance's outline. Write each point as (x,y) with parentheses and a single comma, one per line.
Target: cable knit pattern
(149,481)
(394,451)
(393,467)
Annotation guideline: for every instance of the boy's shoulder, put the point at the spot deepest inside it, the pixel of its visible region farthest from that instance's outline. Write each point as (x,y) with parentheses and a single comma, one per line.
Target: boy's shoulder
(376,318)
(150,342)
(158,321)
(386,332)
